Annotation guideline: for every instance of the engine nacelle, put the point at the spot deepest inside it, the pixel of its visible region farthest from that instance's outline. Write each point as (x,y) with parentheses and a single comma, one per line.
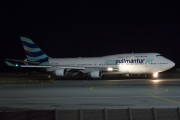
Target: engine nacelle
(61,72)
(96,74)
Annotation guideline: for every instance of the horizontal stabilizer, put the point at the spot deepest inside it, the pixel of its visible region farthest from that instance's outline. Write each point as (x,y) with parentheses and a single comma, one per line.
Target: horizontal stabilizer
(9,64)
(23,61)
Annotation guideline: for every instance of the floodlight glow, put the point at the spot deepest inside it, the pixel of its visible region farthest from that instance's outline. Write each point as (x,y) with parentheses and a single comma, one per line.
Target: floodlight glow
(155,74)
(110,69)
(155,81)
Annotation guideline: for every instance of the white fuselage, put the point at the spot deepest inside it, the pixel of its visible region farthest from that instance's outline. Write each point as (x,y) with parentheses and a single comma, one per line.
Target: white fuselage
(131,63)
(135,63)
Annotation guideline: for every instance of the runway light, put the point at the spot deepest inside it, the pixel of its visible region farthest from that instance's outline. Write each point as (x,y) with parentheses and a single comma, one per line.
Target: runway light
(110,69)
(155,74)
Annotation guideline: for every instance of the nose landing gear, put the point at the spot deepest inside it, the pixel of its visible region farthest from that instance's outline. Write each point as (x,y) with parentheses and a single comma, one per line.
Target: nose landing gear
(155,75)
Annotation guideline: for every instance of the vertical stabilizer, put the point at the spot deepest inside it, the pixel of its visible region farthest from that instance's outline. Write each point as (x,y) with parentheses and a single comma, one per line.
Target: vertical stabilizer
(33,52)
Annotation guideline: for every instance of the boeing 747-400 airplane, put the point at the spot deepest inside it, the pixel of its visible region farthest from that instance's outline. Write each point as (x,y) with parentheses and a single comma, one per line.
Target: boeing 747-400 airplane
(131,63)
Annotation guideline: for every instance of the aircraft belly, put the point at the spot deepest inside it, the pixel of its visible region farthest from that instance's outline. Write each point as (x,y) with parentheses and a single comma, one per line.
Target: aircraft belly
(133,69)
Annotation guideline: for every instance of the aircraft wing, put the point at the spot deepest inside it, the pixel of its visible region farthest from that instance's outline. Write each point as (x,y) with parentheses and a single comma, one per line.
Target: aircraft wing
(36,66)
(71,67)
(89,69)
(83,69)
(61,67)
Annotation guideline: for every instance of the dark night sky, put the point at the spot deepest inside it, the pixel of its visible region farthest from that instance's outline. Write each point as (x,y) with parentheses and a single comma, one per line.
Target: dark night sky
(71,29)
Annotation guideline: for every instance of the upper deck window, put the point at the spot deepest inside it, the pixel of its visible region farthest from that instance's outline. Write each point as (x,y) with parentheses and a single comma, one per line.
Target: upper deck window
(124,57)
(140,56)
(158,55)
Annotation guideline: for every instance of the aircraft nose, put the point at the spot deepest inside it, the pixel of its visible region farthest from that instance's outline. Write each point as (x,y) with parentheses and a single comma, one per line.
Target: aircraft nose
(172,64)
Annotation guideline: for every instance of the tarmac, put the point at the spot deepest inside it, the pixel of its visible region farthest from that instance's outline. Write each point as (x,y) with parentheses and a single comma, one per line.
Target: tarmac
(92,94)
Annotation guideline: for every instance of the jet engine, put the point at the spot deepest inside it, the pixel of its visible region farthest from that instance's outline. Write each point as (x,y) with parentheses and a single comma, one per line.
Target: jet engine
(96,74)
(61,72)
